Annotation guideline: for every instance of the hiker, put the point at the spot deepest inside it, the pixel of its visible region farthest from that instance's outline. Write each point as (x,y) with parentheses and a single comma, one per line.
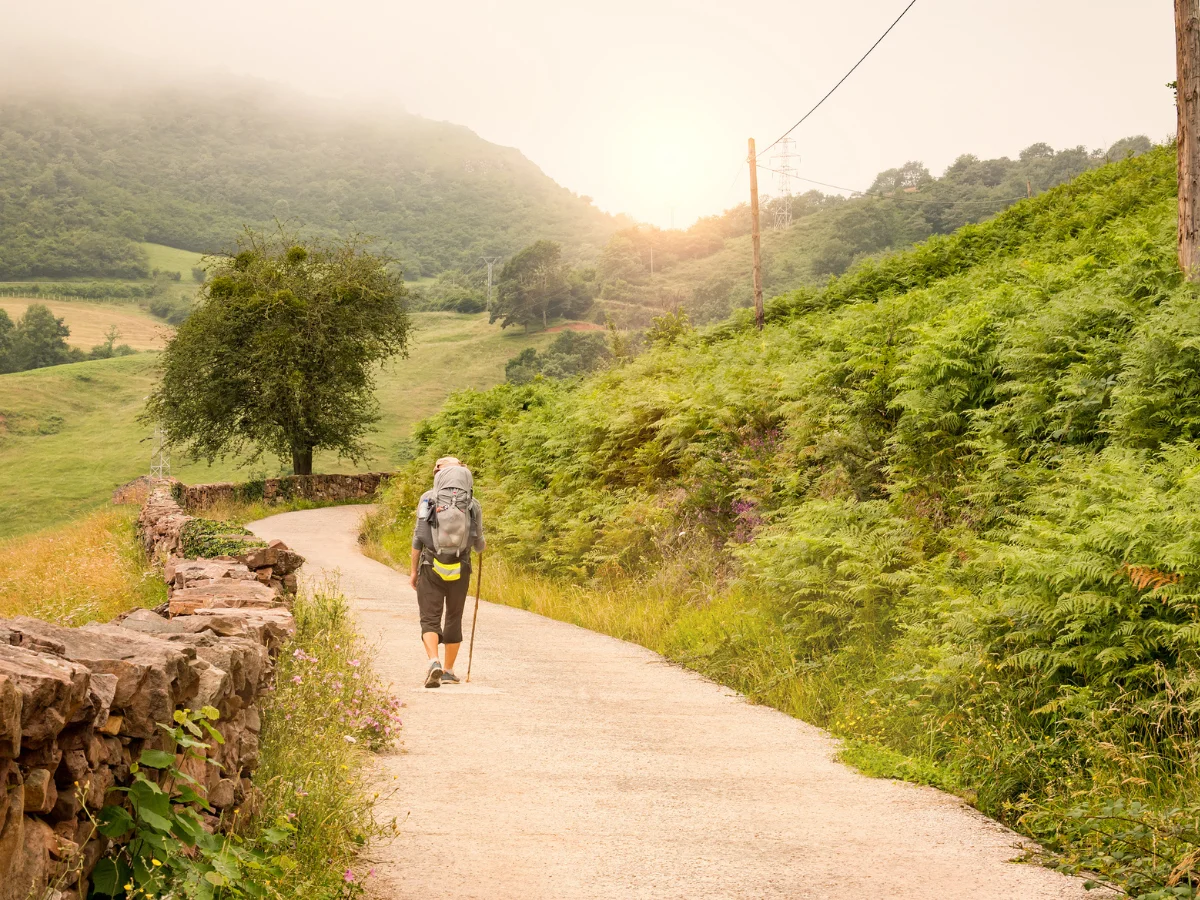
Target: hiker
(449,526)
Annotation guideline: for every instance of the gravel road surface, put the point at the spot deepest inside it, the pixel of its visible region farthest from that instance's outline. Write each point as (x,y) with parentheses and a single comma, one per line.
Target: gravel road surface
(578,766)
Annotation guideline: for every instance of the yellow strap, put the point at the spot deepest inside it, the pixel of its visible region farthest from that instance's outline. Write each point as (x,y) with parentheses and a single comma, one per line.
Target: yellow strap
(447,571)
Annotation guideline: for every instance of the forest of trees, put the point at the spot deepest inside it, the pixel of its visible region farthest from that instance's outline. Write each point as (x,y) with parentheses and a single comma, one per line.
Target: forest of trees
(82,182)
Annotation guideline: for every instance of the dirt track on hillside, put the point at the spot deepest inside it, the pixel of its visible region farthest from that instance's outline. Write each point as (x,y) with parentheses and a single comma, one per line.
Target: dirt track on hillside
(578,766)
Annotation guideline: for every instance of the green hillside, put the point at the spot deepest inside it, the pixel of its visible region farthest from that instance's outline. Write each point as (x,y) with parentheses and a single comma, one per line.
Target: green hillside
(83,181)
(171,259)
(706,269)
(69,435)
(946,506)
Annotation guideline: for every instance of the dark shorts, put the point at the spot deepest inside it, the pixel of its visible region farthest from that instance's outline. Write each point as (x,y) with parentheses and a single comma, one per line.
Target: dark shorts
(434,597)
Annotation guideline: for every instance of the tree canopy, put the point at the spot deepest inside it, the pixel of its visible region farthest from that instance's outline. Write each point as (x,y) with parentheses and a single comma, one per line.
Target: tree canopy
(535,286)
(280,355)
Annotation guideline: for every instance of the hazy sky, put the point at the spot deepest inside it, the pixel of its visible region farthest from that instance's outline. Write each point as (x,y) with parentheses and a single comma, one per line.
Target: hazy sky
(645,105)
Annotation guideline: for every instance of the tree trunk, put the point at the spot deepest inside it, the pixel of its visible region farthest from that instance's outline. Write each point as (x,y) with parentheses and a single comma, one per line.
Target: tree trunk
(1187,103)
(302,461)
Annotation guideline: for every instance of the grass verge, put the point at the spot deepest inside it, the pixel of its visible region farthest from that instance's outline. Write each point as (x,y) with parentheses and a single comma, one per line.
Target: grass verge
(328,713)
(89,570)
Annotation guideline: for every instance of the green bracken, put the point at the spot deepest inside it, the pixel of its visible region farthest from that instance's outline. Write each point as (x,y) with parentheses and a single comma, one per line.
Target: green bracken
(944,506)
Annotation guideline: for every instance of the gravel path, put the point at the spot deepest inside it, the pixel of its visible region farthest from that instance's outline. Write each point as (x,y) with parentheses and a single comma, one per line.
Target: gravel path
(579,766)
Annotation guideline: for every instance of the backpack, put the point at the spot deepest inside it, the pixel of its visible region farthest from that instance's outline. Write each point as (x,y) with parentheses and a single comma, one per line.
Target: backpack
(450,519)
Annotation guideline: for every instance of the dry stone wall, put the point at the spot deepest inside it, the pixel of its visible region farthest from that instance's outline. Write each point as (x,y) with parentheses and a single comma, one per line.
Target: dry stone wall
(320,488)
(79,705)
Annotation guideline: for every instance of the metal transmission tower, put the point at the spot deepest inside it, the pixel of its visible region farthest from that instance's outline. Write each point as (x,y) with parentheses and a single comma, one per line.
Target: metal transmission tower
(160,459)
(491,261)
(784,171)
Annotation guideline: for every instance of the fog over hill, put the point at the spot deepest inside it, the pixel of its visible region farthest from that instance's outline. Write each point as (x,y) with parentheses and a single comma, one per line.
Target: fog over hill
(85,174)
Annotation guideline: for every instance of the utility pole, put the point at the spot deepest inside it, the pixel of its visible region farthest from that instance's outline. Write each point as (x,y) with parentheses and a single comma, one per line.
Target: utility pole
(1187,105)
(758,301)
(491,261)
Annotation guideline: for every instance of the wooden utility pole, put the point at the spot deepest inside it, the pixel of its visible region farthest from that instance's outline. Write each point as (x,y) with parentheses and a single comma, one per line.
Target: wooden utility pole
(758,301)
(1187,104)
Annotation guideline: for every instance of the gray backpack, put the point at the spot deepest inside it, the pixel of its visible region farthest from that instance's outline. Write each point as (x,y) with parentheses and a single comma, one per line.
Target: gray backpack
(451,519)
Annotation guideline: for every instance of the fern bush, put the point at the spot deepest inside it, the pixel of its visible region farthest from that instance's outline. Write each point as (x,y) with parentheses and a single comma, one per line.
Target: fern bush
(946,505)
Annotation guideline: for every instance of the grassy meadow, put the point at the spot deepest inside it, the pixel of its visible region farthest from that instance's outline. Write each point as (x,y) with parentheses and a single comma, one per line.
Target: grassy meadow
(172,259)
(69,434)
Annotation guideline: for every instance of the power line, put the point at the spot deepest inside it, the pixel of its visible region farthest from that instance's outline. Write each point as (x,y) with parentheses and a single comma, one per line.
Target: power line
(843,78)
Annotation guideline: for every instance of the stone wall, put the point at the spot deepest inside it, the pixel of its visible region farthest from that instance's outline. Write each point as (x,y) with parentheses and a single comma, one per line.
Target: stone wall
(79,705)
(322,488)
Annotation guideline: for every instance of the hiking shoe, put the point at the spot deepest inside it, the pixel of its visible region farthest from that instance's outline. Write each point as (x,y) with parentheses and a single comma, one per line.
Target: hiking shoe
(433,678)
(449,677)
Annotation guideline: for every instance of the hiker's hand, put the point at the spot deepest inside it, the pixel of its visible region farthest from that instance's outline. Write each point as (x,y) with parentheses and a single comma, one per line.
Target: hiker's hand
(413,579)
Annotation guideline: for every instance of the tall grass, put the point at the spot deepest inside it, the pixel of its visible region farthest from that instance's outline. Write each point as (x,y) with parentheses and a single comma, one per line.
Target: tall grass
(90,570)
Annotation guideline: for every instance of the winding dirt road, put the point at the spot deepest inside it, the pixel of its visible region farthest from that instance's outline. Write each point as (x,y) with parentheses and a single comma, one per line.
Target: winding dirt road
(579,766)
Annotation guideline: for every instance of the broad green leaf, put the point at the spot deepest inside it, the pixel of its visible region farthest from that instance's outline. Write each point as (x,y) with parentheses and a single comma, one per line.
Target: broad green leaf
(114,821)
(108,877)
(157,759)
(154,820)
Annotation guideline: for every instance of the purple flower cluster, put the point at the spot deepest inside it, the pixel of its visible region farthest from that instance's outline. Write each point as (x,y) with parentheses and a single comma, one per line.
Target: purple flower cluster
(748,520)
(374,713)
(364,709)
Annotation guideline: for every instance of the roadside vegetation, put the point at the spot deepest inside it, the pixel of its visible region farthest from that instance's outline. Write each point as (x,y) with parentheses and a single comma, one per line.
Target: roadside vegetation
(305,834)
(944,506)
(328,714)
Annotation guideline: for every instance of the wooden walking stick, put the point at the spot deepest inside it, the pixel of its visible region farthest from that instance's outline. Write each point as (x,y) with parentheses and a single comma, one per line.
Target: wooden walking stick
(475,618)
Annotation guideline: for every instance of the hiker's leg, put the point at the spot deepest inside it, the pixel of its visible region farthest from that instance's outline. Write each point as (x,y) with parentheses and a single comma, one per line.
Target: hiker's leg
(456,599)
(430,640)
(429,601)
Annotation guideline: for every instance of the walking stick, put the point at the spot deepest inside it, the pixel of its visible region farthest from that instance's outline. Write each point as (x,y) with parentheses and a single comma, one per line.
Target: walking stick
(475,618)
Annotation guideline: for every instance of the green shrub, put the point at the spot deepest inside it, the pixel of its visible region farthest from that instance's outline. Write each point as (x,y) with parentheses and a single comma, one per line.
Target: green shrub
(209,538)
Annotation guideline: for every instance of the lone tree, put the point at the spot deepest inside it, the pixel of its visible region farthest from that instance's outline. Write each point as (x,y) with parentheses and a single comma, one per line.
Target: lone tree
(280,354)
(535,286)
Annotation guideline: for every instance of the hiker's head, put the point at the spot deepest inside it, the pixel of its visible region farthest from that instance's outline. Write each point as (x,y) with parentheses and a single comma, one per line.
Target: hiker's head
(445,463)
